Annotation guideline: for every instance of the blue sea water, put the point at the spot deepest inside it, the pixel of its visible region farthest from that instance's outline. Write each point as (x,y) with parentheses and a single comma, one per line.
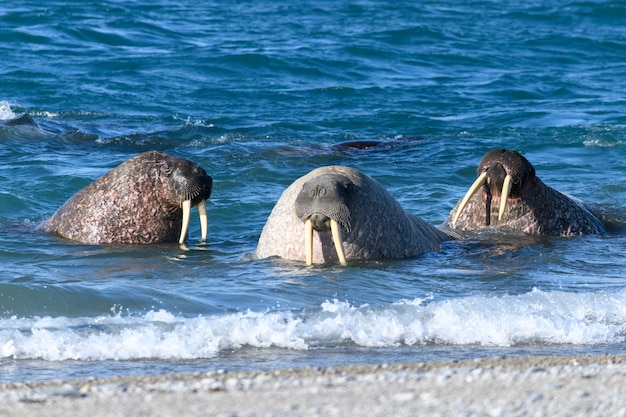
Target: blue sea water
(258,93)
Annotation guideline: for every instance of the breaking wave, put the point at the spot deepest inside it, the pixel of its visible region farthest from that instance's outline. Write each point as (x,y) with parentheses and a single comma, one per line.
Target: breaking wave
(537,318)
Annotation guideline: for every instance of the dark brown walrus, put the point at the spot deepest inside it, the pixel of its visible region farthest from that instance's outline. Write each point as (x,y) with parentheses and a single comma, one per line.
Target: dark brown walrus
(146,199)
(507,193)
(337,213)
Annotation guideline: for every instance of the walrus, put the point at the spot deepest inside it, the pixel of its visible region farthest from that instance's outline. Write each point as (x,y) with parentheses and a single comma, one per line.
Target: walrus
(337,213)
(508,194)
(147,199)
(368,144)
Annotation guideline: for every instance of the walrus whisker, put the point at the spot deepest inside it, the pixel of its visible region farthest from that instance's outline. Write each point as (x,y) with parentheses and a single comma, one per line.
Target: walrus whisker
(337,239)
(504,195)
(204,220)
(480,181)
(186,205)
(192,192)
(308,241)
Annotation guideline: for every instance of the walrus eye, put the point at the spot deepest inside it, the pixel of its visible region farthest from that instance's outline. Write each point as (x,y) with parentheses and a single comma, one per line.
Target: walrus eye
(167,168)
(350,188)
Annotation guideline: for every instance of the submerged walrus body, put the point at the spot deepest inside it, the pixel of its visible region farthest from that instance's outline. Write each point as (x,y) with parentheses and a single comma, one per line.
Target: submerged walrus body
(508,194)
(336,213)
(24,120)
(146,199)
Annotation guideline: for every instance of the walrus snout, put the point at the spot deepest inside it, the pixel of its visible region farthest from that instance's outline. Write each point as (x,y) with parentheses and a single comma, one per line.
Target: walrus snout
(504,173)
(327,196)
(501,163)
(323,204)
(496,175)
(194,187)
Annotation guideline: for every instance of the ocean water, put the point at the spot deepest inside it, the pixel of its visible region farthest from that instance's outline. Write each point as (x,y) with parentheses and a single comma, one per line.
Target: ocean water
(258,93)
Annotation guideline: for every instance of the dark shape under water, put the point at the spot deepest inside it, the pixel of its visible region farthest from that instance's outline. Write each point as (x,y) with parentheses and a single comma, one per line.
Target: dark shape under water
(24,120)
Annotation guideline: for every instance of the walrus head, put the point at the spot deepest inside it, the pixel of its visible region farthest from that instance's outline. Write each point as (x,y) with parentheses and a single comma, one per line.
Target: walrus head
(502,173)
(323,204)
(191,186)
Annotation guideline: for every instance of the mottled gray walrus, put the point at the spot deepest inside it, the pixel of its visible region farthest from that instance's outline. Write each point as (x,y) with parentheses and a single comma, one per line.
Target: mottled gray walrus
(146,199)
(507,193)
(337,213)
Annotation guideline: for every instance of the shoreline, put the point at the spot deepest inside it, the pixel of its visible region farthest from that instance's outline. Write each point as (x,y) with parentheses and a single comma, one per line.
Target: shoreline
(534,385)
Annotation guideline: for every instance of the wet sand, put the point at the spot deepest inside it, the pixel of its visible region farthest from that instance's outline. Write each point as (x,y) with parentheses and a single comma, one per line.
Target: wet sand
(528,386)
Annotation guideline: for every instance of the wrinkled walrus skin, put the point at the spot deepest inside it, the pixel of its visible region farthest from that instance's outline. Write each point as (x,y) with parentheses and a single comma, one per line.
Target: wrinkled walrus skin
(139,202)
(528,206)
(371,223)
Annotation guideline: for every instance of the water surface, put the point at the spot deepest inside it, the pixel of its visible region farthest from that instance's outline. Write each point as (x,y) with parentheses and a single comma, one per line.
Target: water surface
(258,93)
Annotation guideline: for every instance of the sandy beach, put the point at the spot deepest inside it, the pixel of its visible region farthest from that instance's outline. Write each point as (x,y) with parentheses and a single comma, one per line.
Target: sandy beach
(529,386)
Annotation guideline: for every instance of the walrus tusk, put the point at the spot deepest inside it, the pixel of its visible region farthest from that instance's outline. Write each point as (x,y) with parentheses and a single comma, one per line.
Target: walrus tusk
(480,181)
(308,241)
(337,239)
(186,205)
(204,220)
(504,195)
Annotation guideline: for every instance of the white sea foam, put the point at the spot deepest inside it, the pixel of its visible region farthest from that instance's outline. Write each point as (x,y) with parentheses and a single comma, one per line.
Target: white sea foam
(536,317)
(5,111)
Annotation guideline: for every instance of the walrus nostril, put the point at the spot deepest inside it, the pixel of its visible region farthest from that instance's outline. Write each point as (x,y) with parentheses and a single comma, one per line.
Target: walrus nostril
(318,192)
